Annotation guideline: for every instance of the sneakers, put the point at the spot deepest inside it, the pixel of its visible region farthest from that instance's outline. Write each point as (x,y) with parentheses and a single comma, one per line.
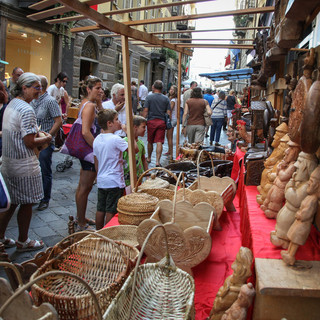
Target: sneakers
(43,205)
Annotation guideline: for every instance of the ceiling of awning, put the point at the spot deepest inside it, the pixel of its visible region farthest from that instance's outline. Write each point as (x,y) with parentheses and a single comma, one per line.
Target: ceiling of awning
(229,74)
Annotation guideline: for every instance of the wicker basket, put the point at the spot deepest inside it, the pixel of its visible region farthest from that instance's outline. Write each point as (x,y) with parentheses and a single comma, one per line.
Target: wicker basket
(154,291)
(137,202)
(160,192)
(99,261)
(123,233)
(132,218)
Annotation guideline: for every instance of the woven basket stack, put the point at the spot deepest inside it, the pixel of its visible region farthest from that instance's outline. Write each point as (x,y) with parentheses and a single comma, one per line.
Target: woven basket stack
(136,207)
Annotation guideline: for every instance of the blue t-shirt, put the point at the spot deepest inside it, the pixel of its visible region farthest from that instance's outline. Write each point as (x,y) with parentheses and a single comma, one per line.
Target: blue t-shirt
(209,98)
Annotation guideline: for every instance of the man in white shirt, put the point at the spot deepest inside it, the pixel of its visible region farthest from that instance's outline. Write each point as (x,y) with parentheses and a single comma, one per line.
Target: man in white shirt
(117,103)
(143,92)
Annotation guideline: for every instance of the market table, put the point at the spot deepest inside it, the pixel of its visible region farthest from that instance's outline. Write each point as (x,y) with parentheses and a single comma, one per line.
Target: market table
(209,276)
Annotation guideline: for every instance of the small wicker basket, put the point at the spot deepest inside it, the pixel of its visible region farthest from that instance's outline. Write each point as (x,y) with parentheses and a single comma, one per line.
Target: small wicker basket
(99,261)
(154,291)
(137,202)
(123,233)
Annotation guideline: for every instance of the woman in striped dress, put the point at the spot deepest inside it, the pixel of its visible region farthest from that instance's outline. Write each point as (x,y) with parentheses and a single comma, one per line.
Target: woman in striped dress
(20,165)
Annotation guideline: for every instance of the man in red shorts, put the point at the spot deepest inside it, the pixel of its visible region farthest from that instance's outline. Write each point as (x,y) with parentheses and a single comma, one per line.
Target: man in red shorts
(155,107)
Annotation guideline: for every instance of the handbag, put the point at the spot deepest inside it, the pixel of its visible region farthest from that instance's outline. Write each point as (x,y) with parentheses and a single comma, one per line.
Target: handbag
(75,145)
(5,200)
(168,121)
(207,119)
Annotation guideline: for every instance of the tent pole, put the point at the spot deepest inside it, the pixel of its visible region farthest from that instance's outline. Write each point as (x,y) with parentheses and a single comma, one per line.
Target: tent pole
(178,105)
(129,117)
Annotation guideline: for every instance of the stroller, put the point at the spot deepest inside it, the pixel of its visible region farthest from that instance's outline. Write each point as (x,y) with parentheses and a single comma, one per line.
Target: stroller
(61,137)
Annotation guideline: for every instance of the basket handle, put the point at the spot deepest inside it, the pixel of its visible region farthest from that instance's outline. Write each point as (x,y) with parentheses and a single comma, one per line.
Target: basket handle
(139,260)
(72,275)
(15,270)
(198,162)
(124,256)
(181,174)
(155,168)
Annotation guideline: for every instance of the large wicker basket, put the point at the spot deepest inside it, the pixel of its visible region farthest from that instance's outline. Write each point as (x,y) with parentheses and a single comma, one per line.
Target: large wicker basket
(99,261)
(123,233)
(154,291)
(157,191)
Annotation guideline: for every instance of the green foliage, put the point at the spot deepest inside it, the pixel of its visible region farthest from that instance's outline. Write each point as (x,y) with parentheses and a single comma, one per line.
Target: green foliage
(169,53)
(241,20)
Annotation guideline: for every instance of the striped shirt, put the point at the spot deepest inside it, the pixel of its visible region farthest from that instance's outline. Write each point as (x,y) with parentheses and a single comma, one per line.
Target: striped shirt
(46,109)
(220,111)
(20,166)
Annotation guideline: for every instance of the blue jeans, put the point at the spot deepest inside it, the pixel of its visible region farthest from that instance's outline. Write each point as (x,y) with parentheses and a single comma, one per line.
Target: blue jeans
(216,129)
(45,159)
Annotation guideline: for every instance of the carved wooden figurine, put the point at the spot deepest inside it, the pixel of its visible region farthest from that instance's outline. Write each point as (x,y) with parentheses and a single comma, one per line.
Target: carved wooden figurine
(229,292)
(272,161)
(285,169)
(295,192)
(246,136)
(238,310)
(300,229)
(299,99)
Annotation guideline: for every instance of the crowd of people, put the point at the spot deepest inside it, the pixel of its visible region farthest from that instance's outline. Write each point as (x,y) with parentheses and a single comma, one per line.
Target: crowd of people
(31,114)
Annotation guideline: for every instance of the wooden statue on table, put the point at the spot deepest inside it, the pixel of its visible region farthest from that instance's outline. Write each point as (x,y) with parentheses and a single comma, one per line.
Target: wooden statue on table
(238,310)
(272,161)
(299,97)
(295,192)
(285,169)
(229,292)
(246,136)
(300,229)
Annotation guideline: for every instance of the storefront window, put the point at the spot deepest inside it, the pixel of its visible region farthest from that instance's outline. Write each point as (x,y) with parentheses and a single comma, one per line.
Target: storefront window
(28,49)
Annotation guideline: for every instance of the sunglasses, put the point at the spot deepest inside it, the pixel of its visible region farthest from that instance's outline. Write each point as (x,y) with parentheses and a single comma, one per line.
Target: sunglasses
(65,81)
(37,88)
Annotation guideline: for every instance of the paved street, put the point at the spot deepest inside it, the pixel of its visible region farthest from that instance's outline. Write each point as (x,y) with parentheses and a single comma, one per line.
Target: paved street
(51,225)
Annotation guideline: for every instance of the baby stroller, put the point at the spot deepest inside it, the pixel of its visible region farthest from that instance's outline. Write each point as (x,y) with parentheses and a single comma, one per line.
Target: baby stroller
(67,162)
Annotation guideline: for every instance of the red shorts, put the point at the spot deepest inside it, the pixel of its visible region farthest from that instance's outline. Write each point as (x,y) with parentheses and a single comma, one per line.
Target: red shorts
(156,130)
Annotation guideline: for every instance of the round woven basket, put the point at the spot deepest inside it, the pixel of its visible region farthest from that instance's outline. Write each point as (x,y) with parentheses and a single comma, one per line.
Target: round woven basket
(132,218)
(124,233)
(137,202)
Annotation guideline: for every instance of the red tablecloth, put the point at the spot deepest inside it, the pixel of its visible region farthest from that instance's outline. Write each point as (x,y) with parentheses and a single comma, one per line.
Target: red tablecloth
(238,156)
(209,276)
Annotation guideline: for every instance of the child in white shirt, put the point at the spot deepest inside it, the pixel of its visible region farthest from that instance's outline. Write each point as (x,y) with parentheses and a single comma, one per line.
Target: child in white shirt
(107,150)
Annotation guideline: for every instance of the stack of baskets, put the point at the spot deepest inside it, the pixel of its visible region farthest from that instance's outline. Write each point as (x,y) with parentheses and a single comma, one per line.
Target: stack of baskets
(136,207)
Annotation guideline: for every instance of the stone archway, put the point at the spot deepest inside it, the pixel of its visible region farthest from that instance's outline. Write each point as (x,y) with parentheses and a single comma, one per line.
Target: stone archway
(89,58)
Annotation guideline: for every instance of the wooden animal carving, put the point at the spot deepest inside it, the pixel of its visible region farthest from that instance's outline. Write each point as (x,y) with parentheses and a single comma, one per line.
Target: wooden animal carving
(246,136)
(238,310)
(310,139)
(299,99)
(229,292)
(300,229)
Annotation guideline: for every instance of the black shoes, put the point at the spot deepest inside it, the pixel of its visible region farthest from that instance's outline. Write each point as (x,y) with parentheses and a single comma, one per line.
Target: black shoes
(43,205)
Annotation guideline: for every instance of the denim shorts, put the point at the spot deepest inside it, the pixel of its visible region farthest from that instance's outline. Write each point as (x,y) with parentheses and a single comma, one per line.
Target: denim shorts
(87,166)
(108,199)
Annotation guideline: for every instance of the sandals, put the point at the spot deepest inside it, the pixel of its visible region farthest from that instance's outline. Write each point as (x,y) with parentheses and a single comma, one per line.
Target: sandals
(148,160)
(29,245)
(8,242)
(91,222)
(86,227)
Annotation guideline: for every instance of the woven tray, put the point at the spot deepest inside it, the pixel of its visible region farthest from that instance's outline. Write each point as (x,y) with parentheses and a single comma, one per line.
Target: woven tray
(124,233)
(137,202)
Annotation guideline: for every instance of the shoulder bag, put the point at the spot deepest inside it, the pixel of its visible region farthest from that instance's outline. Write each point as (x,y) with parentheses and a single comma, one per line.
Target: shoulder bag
(75,144)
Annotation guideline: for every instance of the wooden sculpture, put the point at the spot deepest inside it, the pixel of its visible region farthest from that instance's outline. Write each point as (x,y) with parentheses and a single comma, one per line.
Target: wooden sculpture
(246,136)
(299,98)
(280,145)
(238,310)
(292,83)
(310,139)
(285,169)
(295,192)
(300,229)
(229,292)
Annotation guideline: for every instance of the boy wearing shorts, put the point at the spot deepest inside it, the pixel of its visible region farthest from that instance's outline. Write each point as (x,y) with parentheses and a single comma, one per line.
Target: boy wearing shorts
(107,150)
(139,129)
